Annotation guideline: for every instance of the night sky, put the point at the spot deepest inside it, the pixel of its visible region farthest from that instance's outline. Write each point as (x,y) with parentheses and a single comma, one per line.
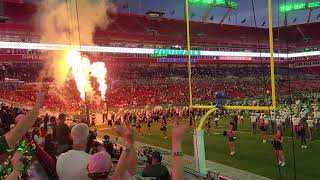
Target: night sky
(242,16)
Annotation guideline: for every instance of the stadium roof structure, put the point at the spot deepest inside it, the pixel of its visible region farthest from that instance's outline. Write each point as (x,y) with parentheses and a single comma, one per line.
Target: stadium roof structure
(232,12)
(241,14)
(135,29)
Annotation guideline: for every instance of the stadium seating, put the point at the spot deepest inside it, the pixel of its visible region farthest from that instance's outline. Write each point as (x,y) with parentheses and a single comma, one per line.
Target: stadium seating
(130,28)
(163,84)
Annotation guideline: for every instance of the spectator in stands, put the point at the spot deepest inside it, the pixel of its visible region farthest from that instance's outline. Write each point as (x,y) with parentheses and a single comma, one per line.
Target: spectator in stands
(100,163)
(49,145)
(92,137)
(39,137)
(73,123)
(51,124)
(45,122)
(14,135)
(72,164)
(61,134)
(6,117)
(2,129)
(156,169)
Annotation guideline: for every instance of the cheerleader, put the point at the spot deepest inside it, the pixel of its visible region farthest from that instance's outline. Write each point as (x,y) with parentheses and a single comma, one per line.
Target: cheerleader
(208,126)
(262,126)
(231,136)
(277,144)
(216,119)
(163,128)
(302,134)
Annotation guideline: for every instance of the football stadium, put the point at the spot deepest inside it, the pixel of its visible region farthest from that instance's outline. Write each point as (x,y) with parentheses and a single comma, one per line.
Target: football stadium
(159,89)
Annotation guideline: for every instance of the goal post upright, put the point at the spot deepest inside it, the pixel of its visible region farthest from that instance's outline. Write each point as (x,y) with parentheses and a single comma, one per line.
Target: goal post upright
(189,54)
(198,137)
(273,87)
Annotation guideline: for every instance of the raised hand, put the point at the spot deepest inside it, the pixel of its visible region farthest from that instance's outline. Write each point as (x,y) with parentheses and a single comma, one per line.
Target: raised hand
(178,131)
(126,132)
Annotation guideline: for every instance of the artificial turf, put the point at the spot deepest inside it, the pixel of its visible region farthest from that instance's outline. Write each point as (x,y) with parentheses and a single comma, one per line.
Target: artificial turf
(252,155)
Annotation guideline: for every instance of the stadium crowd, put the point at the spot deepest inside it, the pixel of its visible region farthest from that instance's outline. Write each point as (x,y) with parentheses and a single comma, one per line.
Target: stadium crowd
(80,156)
(146,84)
(75,151)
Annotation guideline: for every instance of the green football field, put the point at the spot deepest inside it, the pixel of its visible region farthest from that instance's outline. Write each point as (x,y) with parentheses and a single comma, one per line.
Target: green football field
(252,155)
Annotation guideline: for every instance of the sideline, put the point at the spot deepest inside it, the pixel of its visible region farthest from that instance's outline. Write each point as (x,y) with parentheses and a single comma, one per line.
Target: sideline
(189,161)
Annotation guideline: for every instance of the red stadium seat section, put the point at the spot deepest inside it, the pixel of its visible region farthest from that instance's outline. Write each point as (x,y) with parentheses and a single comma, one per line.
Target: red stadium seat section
(138,28)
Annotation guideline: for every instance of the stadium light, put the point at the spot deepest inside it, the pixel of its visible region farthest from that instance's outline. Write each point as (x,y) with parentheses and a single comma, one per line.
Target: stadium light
(240,54)
(218,3)
(289,7)
(304,54)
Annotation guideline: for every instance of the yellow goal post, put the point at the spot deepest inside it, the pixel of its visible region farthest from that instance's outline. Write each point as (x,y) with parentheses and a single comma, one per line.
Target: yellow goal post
(212,109)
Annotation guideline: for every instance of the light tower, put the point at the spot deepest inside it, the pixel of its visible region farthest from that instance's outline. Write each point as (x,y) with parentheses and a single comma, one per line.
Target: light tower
(287,8)
(229,4)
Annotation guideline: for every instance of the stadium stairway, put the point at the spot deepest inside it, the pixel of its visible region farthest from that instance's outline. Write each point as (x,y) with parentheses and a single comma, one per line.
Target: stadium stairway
(228,172)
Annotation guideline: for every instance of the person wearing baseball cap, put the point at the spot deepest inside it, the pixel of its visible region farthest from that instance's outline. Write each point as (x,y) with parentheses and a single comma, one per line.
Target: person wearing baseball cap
(99,166)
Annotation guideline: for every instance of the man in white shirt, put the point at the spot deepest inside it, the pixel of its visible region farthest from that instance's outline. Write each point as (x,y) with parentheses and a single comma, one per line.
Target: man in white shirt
(73,164)
(253,120)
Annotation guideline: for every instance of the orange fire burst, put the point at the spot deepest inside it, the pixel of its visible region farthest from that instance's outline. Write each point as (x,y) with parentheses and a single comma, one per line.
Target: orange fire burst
(81,68)
(99,70)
